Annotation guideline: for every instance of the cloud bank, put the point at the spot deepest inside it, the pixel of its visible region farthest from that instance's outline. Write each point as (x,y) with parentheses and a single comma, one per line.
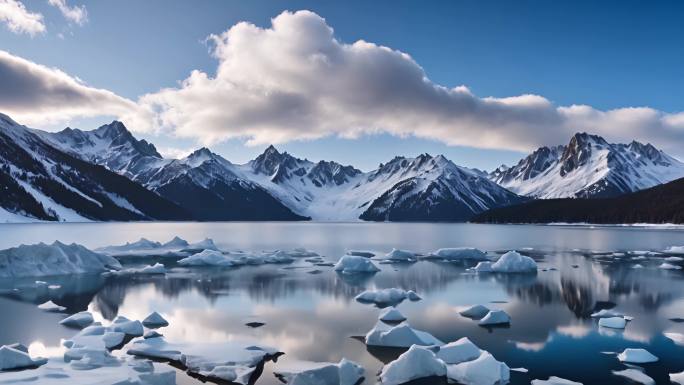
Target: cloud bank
(34,94)
(19,20)
(296,81)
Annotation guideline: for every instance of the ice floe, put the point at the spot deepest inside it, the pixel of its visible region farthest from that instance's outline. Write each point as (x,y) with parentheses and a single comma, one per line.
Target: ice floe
(227,361)
(669,266)
(606,313)
(392,315)
(78,320)
(155,320)
(475,311)
(128,327)
(510,262)
(677,378)
(157,268)
(458,253)
(399,336)
(637,356)
(485,370)
(398,255)
(55,259)
(228,259)
(635,375)
(350,264)
(345,372)
(12,359)
(553,380)
(387,297)
(459,351)
(613,322)
(674,250)
(495,317)
(417,362)
(677,338)
(176,247)
(51,306)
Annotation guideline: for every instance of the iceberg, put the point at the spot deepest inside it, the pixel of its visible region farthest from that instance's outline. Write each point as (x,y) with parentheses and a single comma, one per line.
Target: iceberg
(677,378)
(176,247)
(155,320)
(674,259)
(51,307)
(13,359)
(485,370)
(227,361)
(513,262)
(321,373)
(637,356)
(399,336)
(677,338)
(128,327)
(55,259)
(350,264)
(78,320)
(397,255)
(459,351)
(475,312)
(613,322)
(157,268)
(675,250)
(458,253)
(669,266)
(207,258)
(387,297)
(417,362)
(392,315)
(555,381)
(495,317)
(635,375)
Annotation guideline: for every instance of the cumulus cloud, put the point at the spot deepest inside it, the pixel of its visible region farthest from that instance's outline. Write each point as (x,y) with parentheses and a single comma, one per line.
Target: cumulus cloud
(74,14)
(18,19)
(296,81)
(35,94)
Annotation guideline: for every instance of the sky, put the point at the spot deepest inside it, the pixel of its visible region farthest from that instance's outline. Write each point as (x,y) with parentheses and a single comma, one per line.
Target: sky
(358,82)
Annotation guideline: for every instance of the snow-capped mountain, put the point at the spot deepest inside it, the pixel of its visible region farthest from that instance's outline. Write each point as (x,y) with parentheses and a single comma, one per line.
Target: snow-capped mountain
(42,182)
(589,167)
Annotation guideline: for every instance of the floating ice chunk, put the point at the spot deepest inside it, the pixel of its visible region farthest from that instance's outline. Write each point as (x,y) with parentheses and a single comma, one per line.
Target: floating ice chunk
(176,242)
(495,317)
(392,315)
(350,264)
(669,266)
(209,360)
(638,266)
(475,312)
(361,253)
(520,370)
(637,356)
(155,320)
(675,250)
(55,259)
(398,255)
(78,320)
(321,373)
(606,313)
(485,370)
(12,359)
(51,306)
(677,378)
(458,253)
(613,322)
(417,362)
(513,262)
(674,259)
(386,297)
(400,336)
(128,327)
(459,351)
(157,268)
(677,338)
(483,267)
(635,375)
(207,258)
(152,334)
(553,380)
(206,244)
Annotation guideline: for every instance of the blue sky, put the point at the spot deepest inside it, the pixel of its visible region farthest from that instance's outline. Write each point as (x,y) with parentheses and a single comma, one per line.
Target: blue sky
(608,54)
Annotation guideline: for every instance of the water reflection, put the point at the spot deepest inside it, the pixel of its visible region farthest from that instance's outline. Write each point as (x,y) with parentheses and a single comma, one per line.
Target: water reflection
(314,316)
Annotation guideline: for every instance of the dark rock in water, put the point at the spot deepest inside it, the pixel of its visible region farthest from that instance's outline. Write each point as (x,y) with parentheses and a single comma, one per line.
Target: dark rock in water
(677,320)
(324,264)
(575,266)
(255,324)
(315,271)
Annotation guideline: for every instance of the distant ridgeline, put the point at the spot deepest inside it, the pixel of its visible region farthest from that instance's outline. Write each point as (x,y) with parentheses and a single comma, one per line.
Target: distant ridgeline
(108,175)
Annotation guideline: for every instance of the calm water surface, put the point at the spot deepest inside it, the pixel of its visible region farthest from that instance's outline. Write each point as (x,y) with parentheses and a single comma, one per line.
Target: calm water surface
(314,316)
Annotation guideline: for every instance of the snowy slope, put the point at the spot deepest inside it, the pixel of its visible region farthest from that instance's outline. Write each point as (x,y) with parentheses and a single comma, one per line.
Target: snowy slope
(589,167)
(42,182)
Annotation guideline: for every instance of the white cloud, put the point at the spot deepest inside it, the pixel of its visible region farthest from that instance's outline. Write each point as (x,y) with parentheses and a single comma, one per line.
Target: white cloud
(74,14)
(34,94)
(18,19)
(296,81)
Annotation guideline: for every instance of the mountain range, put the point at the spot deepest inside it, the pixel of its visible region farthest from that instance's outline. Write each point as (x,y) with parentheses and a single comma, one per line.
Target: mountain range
(108,174)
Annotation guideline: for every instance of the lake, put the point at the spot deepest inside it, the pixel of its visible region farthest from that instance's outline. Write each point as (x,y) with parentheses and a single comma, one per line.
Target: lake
(310,313)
